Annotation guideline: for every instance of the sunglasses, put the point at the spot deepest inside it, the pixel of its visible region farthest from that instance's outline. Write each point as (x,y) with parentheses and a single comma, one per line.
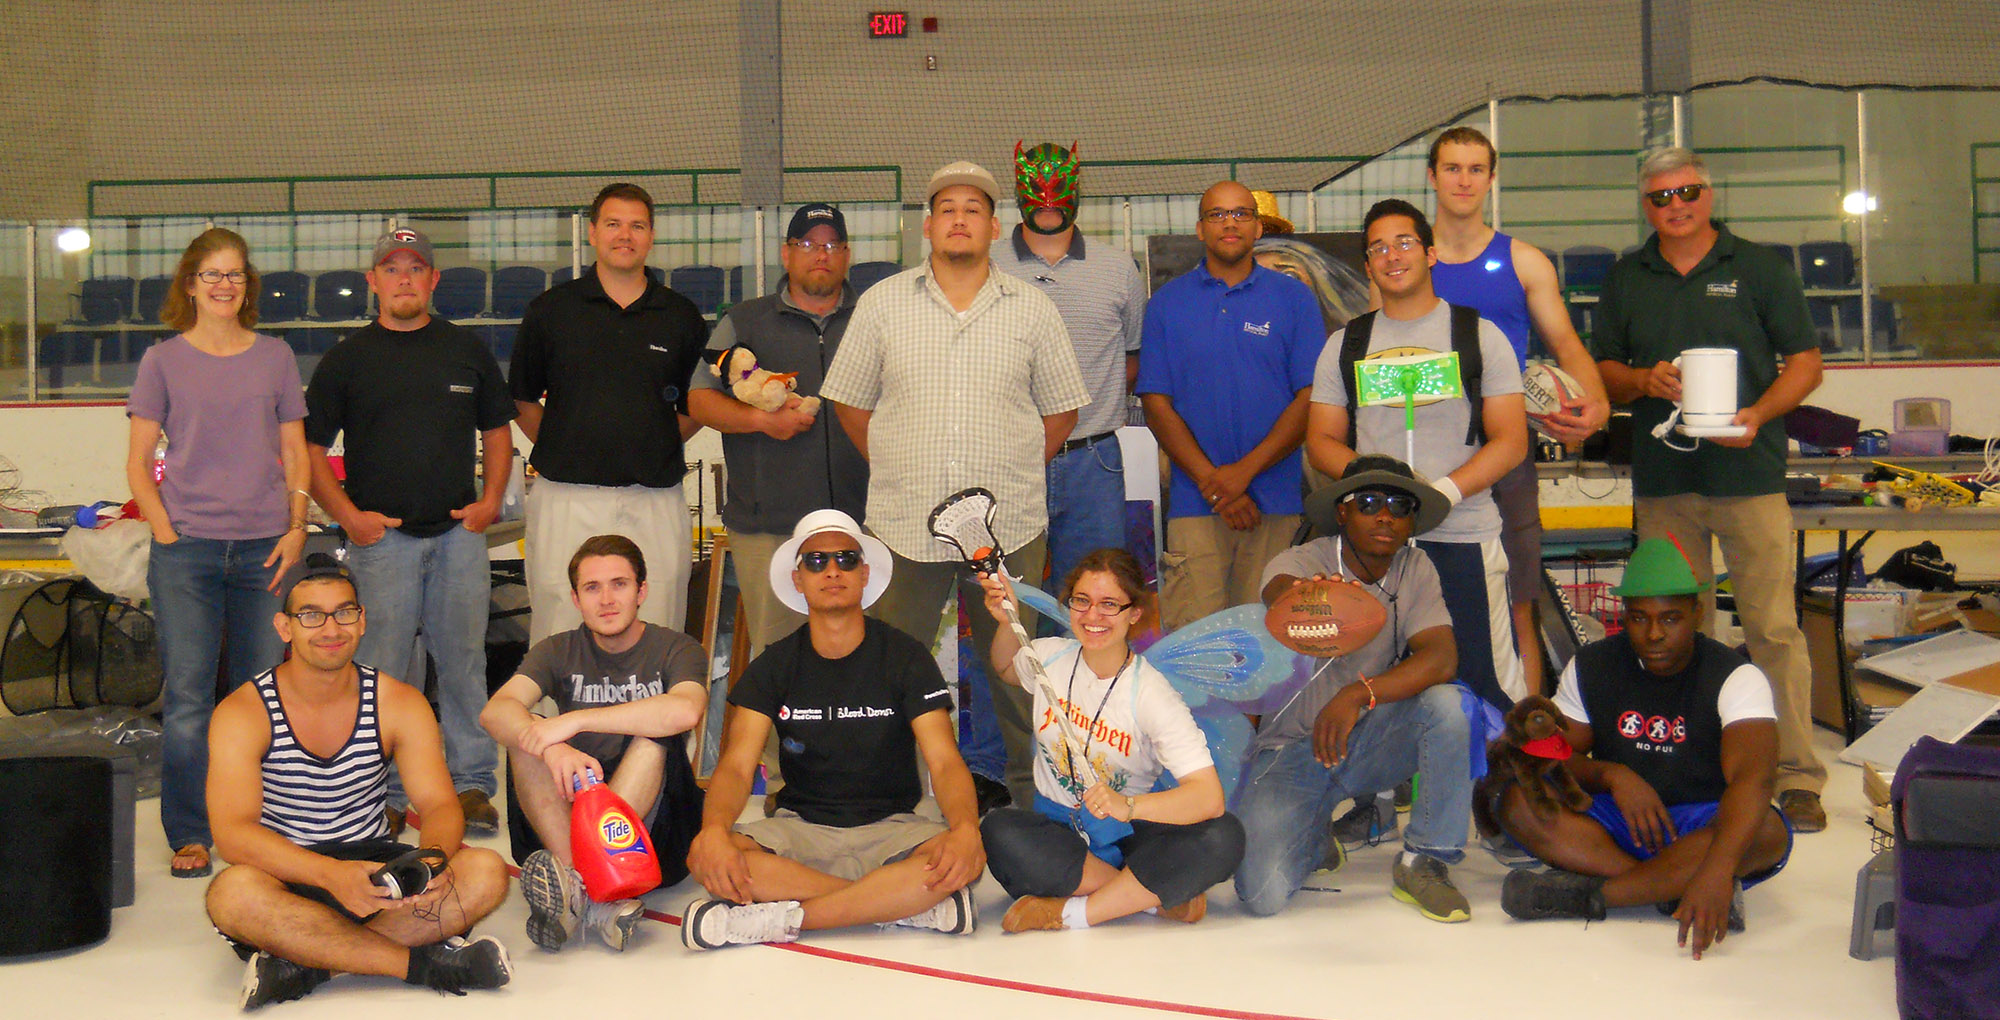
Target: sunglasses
(1689,193)
(846,559)
(1371,503)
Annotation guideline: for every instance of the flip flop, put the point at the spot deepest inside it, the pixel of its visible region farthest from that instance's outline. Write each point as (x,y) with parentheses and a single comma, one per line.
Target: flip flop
(196,850)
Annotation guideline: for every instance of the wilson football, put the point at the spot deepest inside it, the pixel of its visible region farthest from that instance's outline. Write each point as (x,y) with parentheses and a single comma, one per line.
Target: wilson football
(1325,618)
(1545,388)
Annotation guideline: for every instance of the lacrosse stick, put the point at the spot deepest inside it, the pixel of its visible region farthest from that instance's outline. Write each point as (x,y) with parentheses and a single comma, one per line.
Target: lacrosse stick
(964,521)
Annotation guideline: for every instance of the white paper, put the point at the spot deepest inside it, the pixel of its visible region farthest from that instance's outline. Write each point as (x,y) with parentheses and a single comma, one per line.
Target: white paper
(1940,711)
(1946,655)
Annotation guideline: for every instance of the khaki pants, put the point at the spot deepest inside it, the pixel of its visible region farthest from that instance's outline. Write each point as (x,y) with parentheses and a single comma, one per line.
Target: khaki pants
(1208,566)
(561,516)
(914,604)
(1757,547)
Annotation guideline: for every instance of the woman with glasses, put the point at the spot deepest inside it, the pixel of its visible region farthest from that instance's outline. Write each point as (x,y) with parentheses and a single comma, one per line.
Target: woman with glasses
(1101,842)
(228,514)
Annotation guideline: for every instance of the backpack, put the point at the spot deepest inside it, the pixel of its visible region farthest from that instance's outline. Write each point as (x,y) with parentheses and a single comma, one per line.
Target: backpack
(1464,342)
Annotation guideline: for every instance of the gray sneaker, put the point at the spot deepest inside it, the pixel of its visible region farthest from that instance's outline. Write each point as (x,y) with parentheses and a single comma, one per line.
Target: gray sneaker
(1427,886)
(555,900)
(1370,822)
(614,922)
(1507,852)
(954,915)
(1534,895)
(712,924)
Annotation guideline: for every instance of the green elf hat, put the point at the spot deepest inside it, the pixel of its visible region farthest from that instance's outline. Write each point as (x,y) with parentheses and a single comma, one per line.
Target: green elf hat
(1658,567)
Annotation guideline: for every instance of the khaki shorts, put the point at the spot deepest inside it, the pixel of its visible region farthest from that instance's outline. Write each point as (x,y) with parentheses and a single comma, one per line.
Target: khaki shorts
(847,853)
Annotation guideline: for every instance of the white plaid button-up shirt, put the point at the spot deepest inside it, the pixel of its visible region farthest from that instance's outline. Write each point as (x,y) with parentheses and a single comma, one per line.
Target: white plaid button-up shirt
(957,401)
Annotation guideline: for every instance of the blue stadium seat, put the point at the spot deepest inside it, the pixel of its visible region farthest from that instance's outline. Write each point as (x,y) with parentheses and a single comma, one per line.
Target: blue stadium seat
(461,293)
(1826,265)
(152,297)
(104,300)
(284,297)
(340,294)
(868,274)
(738,279)
(514,287)
(563,274)
(306,340)
(699,284)
(1585,267)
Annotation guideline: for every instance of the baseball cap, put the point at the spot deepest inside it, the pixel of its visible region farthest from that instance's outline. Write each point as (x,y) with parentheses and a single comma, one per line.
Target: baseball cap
(816,214)
(315,567)
(819,522)
(402,239)
(964,172)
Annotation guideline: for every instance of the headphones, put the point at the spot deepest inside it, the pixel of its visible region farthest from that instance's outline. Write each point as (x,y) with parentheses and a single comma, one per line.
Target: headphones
(410,873)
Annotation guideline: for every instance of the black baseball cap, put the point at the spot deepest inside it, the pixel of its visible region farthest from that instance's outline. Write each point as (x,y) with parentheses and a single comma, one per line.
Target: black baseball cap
(815,214)
(317,566)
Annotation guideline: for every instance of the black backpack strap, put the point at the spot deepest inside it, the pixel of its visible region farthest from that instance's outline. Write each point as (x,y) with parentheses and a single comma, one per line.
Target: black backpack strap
(1353,347)
(1471,369)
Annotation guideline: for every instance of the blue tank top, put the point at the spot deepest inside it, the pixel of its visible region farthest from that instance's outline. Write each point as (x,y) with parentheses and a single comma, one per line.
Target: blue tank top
(1489,284)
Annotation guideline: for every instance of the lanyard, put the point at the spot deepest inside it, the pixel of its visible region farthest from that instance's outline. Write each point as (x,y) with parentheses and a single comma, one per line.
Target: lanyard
(1089,735)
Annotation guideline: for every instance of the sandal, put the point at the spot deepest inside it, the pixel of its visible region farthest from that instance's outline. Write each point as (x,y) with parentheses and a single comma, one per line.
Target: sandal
(192,851)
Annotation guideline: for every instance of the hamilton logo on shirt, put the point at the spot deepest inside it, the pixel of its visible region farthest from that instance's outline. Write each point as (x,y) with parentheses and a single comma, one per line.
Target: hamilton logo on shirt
(1722,289)
(1257,328)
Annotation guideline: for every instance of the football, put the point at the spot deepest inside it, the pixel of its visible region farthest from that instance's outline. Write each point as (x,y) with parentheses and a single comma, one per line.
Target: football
(1545,389)
(1325,618)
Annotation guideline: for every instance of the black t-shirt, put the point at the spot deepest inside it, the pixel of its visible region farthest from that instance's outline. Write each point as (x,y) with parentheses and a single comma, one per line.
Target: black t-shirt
(612,380)
(844,739)
(575,673)
(412,405)
(1667,729)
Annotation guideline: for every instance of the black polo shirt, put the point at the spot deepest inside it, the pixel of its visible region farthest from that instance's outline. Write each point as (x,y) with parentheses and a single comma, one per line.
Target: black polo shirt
(1741,295)
(412,405)
(612,380)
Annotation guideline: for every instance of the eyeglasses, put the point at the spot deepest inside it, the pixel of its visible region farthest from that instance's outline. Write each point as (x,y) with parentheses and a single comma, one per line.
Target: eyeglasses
(1371,503)
(805,247)
(314,618)
(846,559)
(1229,215)
(1689,193)
(1080,604)
(217,276)
(1403,243)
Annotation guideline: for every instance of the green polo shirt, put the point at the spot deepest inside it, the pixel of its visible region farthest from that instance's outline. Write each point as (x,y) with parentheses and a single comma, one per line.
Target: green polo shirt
(1741,295)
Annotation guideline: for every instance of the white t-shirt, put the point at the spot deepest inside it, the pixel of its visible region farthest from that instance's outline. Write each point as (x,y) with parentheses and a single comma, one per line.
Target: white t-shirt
(1141,729)
(1746,694)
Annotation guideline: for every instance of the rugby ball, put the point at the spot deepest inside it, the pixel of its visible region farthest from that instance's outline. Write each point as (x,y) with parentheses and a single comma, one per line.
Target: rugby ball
(1325,618)
(1545,389)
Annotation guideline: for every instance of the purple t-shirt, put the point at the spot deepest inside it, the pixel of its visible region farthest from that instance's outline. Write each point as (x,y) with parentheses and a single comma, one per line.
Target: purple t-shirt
(221,417)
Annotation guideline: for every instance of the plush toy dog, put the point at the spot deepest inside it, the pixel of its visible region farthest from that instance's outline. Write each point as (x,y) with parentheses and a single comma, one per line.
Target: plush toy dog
(1530,755)
(761,389)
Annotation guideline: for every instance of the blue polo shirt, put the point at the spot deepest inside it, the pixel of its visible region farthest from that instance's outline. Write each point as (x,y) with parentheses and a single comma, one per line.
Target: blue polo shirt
(1232,359)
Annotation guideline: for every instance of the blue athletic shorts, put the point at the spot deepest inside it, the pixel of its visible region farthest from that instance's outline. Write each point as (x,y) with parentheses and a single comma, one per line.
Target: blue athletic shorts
(1686,818)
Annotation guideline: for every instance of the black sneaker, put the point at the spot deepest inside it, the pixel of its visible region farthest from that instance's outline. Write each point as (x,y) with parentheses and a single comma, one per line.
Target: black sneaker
(457,965)
(1534,895)
(269,979)
(1735,908)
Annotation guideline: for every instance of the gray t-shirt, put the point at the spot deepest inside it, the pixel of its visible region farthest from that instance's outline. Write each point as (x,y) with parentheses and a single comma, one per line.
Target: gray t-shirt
(1409,590)
(1441,425)
(575,673)
(221,416)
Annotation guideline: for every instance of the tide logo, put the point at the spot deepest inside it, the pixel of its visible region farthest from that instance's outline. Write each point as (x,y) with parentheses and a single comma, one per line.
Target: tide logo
(617,832)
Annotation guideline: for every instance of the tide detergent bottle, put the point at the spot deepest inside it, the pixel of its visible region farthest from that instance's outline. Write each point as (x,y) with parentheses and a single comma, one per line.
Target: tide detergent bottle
(611,849)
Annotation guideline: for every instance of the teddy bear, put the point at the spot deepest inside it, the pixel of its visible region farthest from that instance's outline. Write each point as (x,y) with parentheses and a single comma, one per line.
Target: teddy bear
(758,387)
(1529,754)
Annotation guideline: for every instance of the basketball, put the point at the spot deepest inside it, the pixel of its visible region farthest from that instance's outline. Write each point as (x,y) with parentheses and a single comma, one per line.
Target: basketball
(1545,389)
(1325,618)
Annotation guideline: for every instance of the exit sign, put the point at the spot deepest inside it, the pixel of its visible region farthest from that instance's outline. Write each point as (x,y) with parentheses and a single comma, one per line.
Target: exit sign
(888,25)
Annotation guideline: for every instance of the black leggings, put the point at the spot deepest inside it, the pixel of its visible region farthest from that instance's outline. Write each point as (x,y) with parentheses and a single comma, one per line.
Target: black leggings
(1032,854)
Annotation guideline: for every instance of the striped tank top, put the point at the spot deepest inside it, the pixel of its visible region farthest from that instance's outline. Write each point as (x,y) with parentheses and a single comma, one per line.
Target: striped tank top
(309,799)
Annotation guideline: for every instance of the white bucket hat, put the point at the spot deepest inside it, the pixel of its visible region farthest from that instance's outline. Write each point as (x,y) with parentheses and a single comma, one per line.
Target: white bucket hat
(873,553)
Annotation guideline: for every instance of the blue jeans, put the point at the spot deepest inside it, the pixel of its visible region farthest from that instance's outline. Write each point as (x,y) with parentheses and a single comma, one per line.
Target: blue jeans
(209,598)
(1288,797)
(443,584)
(1086,507)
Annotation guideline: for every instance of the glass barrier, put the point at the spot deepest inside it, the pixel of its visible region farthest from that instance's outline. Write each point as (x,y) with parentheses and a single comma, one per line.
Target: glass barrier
(1934,229)
(13,312)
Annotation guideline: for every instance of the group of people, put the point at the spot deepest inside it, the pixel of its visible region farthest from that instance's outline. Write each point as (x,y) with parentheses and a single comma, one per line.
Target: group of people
(1010,366)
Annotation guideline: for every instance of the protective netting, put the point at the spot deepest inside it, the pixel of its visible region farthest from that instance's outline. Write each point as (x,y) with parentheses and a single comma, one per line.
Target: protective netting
(141,90)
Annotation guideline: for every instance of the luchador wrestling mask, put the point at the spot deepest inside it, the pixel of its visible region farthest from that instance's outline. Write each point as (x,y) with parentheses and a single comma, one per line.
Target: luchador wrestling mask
(1045,178)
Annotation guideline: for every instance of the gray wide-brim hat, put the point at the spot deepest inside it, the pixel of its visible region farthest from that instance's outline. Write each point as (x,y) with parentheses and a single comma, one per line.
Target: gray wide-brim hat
(1375,471)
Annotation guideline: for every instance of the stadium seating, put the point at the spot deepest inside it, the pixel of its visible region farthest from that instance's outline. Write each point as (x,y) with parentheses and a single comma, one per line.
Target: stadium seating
(702,285)
(1585,267)
(461,293)
(739,277)
(152,296)
(104,300)
(1826,265)
(340,295)
(284,297)
(868,274)
(514,287)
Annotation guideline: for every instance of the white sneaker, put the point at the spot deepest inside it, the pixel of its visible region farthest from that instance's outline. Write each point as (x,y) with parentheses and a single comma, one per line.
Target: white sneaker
(954,915)
(712,924)
(615,922)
